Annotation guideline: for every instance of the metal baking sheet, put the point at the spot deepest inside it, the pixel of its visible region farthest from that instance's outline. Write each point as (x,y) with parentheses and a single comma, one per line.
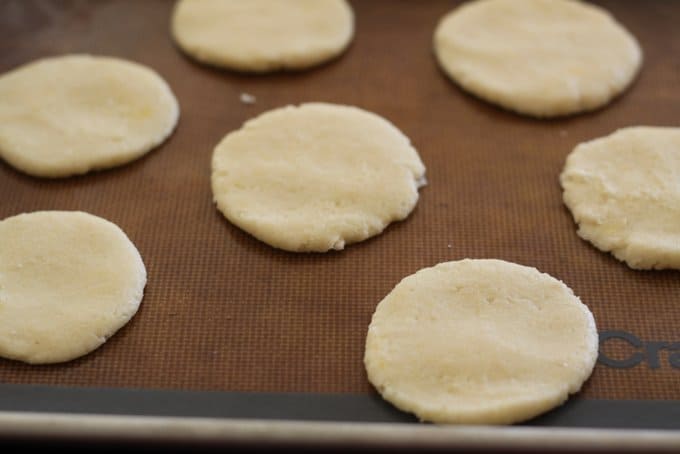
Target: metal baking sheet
(231,329)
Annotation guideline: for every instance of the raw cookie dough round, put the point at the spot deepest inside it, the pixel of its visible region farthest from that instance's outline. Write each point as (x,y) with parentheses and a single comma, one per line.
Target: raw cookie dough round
(624,193)
(480,342)
(263,35)
(68,281)
(68,115)
(316,177)
(538,57)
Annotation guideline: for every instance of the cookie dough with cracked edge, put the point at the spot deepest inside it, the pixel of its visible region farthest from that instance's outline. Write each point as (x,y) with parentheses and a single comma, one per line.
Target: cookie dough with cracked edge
(263,35)
(68,281)
(542,58)
(316,177)
(71,114)
(623,193)
(480,342)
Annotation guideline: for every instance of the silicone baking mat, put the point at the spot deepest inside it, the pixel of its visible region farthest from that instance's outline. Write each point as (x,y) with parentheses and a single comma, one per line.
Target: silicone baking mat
(228,314)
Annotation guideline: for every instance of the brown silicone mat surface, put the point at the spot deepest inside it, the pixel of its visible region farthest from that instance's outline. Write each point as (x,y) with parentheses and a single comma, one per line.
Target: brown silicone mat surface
(223,311)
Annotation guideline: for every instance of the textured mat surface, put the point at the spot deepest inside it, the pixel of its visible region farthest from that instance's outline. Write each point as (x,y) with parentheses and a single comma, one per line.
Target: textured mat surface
(223,311)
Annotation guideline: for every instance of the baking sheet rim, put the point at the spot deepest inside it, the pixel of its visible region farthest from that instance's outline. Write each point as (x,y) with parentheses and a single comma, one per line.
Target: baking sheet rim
(95,427)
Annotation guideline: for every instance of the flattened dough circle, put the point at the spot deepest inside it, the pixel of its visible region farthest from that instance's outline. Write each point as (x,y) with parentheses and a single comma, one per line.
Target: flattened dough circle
(542,58)
(263,35)
(68,281)
(480,342)
(316,177)
(71,114)
(623,190)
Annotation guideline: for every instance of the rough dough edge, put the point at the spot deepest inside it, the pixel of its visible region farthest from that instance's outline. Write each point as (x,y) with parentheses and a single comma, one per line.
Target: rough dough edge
(621,253)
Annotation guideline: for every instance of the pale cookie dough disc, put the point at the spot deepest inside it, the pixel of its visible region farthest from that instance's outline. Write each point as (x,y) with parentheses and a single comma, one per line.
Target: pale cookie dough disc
(623,190)
(263,35)
(480,342)
(316,177)
(538,57)
(68,115)
(68,281)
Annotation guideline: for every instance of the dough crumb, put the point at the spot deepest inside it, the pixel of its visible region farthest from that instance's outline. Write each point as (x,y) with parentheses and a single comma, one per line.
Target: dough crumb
(247,98)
